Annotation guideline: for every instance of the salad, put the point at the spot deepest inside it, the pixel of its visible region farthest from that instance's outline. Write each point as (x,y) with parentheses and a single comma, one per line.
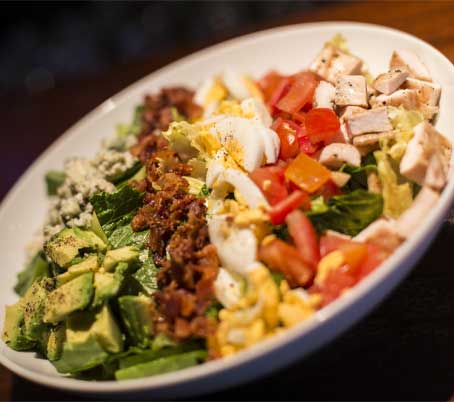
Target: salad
(218,218)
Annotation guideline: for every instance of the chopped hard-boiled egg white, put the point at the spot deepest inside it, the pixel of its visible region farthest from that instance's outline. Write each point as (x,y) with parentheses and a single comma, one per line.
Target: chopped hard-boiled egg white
(237,248)
(229,287)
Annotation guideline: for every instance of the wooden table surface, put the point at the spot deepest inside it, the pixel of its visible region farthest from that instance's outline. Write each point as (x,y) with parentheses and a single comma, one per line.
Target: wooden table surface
(404,350)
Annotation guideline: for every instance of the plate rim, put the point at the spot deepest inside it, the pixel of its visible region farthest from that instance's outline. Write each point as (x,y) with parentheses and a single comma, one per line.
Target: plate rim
(261,350)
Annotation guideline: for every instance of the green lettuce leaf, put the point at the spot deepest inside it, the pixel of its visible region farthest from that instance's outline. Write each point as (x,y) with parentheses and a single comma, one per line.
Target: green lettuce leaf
(349,213)
(403,122)
(146,275)
(37,268)
(110,207)
(397,192)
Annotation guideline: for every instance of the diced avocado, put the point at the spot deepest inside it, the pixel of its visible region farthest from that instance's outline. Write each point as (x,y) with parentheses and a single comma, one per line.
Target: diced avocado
(89,264)
(13,330)
(37,268)
(108,284)
(72,296)
(55,342)
(77,357)
(34,303)
(97,229)
(89,336)
(123,254)
(94,241)
(107,331)
(162,365)
(136,315)
(65,245)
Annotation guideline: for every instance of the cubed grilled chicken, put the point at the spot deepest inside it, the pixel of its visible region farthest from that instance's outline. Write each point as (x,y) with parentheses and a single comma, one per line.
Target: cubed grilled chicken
(405,59)
(425,143)
(373,183)
(428,92)
(372,138)
(345,112)
(332,61)
(408,98)
(370,121)
(324,95)
(351,90)
(335,155)
(382,233)
(389,82)
(409,221)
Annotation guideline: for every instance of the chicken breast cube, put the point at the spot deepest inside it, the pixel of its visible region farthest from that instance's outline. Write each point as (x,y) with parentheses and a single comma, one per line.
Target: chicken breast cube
(351,90)
(335,155)
(372,138)
(381,233)
(428,92)
(409,221)
(340,179)
(324,95)
(437,172)
(323,60)
(370,121)
(347,111)
(389,82)
(344,64)
(408,98)
(331,62)
(425,143)
(405,59)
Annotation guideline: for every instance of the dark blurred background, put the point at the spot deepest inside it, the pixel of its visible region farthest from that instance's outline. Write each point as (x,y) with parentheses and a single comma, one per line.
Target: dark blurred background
(43,44)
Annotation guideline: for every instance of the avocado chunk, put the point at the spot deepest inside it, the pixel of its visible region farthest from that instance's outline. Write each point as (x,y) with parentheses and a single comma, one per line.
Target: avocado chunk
(89,264)
(162,365)
(13,330)
(107,332)
(66,244)
(34,303)
(90,337)
(136,315)
(72,296)
(108,284)
(54,179)
(55,342)
(123,254)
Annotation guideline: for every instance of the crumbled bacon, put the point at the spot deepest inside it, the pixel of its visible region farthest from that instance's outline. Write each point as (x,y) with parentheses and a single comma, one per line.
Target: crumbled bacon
(178,236)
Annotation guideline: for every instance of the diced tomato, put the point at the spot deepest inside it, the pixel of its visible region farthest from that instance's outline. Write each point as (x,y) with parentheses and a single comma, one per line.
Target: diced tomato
(336,281)
(330,243)
(281,89)
(285,258)
(295,200)
(329,190)
(307,173)
(304,236)
(268,84)
(287,131)
(355,254)
(300,117)
(271,181)
(375,256)
(322,124)
(300,93)
(306,146)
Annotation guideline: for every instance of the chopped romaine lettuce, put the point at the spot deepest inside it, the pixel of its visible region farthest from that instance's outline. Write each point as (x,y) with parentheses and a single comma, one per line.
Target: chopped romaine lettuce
(146,275)
(36,269)
(397,194)
(349,213)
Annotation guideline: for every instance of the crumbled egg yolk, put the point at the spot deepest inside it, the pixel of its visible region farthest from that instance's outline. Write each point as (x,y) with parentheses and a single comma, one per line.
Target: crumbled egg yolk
(216,93)
(264,310)
(329,262)
(230,108)
(204,141)
(252,87)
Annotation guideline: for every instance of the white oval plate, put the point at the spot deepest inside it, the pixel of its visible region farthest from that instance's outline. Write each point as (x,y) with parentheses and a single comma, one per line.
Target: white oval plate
(287,49)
